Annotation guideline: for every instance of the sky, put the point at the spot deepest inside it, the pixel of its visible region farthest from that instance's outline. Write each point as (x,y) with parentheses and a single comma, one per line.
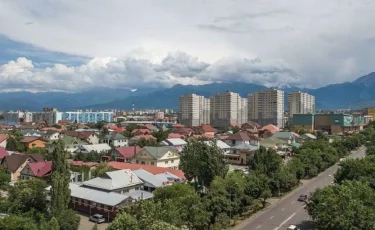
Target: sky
(70,45)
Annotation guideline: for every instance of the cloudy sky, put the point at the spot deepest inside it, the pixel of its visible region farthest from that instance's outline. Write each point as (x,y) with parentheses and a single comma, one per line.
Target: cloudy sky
(74,45)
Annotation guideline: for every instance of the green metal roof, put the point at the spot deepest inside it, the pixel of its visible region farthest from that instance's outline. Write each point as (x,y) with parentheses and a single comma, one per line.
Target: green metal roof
(68,140)
(296,145)
(159,152)
(115,136)
(283,135)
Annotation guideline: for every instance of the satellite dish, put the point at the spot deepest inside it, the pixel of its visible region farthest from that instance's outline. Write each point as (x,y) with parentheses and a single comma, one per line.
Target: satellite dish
(133,90)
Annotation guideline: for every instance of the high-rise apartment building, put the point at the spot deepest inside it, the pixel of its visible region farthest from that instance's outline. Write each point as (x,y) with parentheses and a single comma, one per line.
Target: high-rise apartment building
(18,116)
(228,108)
(194,110)
(88,117)
(300,103)
(266,107)
(49,115)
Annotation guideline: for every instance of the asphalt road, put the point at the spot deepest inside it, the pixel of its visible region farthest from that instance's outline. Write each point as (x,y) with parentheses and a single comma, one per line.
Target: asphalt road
(288,210)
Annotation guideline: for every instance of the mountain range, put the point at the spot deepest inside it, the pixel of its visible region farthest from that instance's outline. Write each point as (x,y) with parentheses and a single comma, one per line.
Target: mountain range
(356,94)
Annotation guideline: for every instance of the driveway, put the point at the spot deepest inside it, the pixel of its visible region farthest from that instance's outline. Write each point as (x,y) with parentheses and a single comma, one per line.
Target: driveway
(85,224)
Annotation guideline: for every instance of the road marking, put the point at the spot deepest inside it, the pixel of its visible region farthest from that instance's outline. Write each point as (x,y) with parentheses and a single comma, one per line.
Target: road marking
(282,209)
(285,221)
(292,202)
(271,217)
(259,226)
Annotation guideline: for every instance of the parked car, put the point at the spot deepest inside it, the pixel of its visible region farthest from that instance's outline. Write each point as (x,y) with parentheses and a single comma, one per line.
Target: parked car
(97,218)
(302,197)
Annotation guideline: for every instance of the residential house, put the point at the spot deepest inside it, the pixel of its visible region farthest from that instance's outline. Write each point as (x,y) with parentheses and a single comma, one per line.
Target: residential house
(250,125)
(71,144)
(115,139)
(51,135)
(98,148)
(125,154)
(268,130)
(138,132)
(41,170)
(289,137)
(14,163)
(4,140)
(87,136)
(165,156)
(241,137)
(187,132)
(31,133)
(134,140)
(33,142)
(274,143)
(3,153)
(152,128)
(221,144)
(241,152)
(206,130)
(178,143)
(152,182)
(149,168)
(29,126)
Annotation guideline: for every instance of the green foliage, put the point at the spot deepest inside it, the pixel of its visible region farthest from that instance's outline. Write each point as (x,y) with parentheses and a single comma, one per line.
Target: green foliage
(160,135)
(14,222)
(161,225)
(91,156)
(175,191)
(370,150)
(101,169)
(57,126)
(52,224)
(202,162)
(4,179)
(124,221)
(68,220)
(60,192)
(95,227)
(28,195)
(146,142)
(288,127)
(265,162)
(347,206)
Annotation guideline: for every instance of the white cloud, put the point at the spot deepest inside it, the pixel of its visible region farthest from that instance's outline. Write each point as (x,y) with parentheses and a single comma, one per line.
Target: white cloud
(175,68)
(325,41)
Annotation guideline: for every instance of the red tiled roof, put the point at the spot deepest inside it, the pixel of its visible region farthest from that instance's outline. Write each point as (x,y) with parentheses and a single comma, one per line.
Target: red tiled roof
(3,153)
(51,128)
(183,131)
(129,151)
(175,135)
(178,126)
(29,139)
(148,137)
(119,130)
(206,128)
(80,163)
(270,128)
(222,137)
(149,168)
(40,169)
(143,131)
(148,125)
(3,137)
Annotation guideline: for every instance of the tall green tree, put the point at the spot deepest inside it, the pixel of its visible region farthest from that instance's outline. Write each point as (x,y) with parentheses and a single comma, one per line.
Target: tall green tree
(60,192)
(161,225)
(160,135)
(14,222)
(343,207)
(265,161)
(202,162)
(4,178)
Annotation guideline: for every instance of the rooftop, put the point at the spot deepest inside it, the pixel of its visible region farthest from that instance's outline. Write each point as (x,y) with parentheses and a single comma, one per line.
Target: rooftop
(40,169)
(159,152)
(129,151)
(174,142)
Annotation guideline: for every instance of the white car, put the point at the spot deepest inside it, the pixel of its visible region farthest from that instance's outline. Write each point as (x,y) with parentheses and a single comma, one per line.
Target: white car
(343,159)
(97,218)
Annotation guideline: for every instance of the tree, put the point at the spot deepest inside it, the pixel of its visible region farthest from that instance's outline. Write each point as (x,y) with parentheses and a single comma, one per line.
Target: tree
(68,220)
(27,195)
(101,169)
(370,150)
(60,192)
(202,162)
(147,142)
(4,179)
(57,126)
(288,127)
(265,161)
(161,225)
(52,224)
(13,222)
(347,206)
(174,192)
(99,125)
(124,221)
(160,135)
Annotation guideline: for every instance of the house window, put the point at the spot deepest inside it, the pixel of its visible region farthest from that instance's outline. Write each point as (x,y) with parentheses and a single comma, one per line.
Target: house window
(137,162)
(142,162)
(166,162)
(105,207)
(136,188)
(126,190)
(85,202)
(152,163)
(172,161)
